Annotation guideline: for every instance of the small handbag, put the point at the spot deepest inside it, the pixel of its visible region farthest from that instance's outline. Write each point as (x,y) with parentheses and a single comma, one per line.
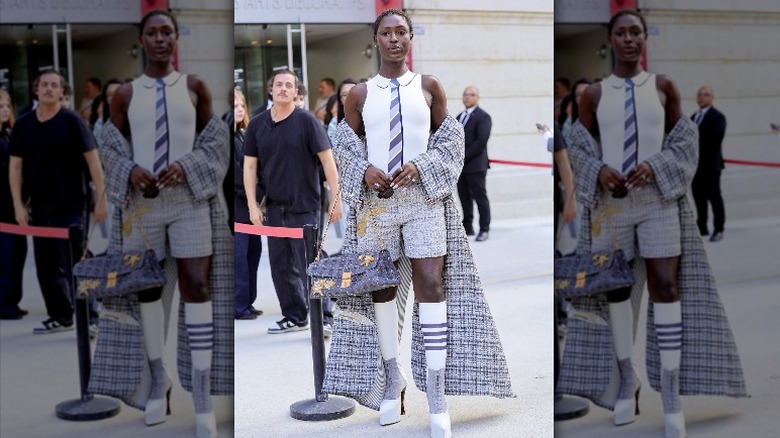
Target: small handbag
(592,273)
(118,273)
(352,274)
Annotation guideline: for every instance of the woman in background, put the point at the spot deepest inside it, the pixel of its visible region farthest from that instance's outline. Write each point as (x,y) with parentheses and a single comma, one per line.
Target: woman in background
(13,248)
(249,247)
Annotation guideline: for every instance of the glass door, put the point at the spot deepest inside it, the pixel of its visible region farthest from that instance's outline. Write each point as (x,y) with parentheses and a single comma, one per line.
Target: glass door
(262,48)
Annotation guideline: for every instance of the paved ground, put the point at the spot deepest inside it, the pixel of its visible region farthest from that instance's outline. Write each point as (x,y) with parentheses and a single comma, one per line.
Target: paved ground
(274,371)
(515,264)
(747,272)
(39,371)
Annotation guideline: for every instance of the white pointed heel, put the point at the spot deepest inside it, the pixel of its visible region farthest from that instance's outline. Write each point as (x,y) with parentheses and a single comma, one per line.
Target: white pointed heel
(392,407)
(674,425)
(158,408)
(440,425)
(159,404)
(206,425)
(626,409)
(390,411)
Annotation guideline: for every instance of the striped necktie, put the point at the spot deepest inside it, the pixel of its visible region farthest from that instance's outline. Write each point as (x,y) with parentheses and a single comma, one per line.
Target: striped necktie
(465,118)
(698,117)
(630,133)
(396,129)
(161,130)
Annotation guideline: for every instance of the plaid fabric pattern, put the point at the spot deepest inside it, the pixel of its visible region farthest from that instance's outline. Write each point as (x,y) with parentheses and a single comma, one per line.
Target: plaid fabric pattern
(120,368)
(710,364)
(475,358)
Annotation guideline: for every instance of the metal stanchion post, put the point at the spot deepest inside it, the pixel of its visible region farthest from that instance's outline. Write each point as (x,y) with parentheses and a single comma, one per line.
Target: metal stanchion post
(87,407)
(566,408)
(322,407)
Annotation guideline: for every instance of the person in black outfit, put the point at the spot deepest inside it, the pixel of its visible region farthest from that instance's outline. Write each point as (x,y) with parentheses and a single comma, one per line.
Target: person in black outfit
(286,143)
(706,181)
(471,184)
(52,151)
(13,248)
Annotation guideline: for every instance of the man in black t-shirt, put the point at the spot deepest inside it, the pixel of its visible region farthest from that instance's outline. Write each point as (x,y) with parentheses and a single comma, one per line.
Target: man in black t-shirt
(287,142)
(51,151)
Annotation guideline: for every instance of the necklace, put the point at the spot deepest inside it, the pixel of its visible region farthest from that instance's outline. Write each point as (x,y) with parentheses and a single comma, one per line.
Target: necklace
(277,117)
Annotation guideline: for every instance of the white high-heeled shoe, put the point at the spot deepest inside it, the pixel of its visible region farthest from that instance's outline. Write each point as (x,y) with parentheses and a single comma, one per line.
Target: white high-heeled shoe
(441,426)
(437,405)
(674,425)
(159,404)
(674,421)
(392,407)
(206,425)
(627,405)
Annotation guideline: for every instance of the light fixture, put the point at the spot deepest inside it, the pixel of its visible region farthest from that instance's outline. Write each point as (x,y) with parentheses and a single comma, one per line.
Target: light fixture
(269,41)
(368,52)
(133,52)
(602,51)
(254,42)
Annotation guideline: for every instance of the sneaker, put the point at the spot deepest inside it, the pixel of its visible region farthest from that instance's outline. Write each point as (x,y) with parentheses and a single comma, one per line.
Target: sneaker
(327,330)
(247,316)
(52,326)
(256,311)
(285,325)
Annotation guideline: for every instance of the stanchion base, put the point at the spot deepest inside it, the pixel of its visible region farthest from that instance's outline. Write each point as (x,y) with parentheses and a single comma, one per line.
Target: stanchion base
(333,408)
(87,410)
(567,408)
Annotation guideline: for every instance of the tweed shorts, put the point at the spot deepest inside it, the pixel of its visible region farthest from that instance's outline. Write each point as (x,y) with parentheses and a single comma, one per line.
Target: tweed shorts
(172,215)
(405,217)
(639,218)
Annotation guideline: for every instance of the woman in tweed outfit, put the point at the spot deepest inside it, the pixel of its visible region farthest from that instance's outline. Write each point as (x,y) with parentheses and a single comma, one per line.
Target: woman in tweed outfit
(638,120)
(168,204)
(456,349)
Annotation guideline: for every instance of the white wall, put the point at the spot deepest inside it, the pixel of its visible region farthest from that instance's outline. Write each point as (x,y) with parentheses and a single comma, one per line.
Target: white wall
(505,49)
(340,58)
(208,48)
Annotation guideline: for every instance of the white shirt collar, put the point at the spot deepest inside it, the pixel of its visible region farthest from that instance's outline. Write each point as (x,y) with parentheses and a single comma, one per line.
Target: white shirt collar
(169,80)
(638,80)
(403,80)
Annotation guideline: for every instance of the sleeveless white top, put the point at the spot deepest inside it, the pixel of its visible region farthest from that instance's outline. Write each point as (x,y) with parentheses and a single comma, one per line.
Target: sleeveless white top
(415,118)
(181,118)
(650,118)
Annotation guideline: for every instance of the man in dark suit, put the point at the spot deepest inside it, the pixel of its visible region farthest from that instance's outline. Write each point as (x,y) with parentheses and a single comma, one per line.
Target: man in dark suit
(706,182)
(471,184)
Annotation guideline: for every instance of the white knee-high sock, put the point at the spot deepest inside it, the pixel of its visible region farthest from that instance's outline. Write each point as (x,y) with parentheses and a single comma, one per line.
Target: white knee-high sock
(621,317)
(433,324)
(668,327)
(152,321)
(200,330)
(387,328)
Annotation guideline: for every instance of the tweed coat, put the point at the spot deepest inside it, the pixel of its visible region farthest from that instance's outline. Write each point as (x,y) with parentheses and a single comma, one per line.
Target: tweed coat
(475,358)
(120,367)
(710,364)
